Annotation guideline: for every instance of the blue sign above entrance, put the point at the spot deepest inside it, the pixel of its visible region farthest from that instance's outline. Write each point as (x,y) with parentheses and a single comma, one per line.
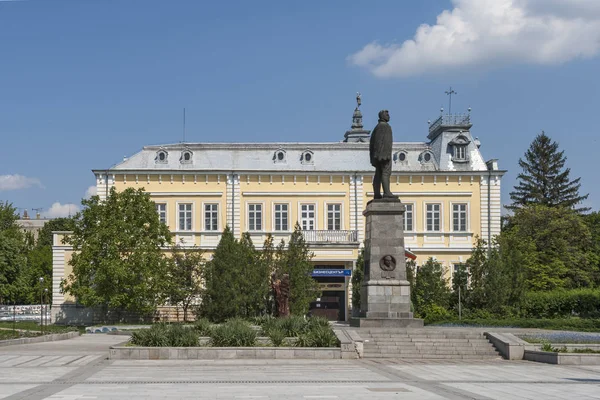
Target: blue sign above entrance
(331,272)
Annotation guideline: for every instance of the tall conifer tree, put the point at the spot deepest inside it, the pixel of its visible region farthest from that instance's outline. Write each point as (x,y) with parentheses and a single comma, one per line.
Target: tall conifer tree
(545,180)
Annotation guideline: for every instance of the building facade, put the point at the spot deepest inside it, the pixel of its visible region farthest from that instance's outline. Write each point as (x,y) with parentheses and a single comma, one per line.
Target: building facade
(452,196)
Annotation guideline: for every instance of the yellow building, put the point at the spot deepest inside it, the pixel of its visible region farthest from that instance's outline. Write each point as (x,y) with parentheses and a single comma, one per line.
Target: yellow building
(451,195)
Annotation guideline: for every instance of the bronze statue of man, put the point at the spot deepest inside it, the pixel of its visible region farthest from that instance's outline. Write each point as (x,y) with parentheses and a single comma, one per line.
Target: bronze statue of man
(380,151)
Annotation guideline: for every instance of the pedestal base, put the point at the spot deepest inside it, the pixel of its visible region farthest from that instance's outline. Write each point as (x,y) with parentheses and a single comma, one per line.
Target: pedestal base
(386,322)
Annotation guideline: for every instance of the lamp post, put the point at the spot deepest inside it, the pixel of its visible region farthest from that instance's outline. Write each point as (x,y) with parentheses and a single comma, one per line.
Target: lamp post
(46,300)
(41,306)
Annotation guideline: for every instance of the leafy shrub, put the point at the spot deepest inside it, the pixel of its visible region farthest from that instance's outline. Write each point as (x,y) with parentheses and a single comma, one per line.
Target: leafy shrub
(163,335)
(294,325)
(318,336)
(547,346)
(203,326)
(277,337)
(433,313)
(181,336)
(562,303)
(317,321)
(233,333)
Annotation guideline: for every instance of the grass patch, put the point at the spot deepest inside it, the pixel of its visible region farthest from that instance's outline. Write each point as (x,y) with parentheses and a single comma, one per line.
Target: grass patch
(8,335)
(563,324)
(34,326)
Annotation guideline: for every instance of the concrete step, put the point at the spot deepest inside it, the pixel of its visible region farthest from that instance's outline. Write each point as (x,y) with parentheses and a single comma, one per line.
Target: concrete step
(444,351)
(433,356)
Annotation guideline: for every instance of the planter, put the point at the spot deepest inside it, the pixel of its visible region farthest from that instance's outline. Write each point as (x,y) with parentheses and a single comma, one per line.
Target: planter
(222,353)
(549,357)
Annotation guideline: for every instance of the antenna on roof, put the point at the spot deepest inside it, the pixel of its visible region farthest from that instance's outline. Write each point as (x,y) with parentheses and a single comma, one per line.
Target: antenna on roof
(183,124)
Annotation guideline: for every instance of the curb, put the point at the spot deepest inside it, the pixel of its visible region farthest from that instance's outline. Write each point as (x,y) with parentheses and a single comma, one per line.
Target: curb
(39,339)
(221,353)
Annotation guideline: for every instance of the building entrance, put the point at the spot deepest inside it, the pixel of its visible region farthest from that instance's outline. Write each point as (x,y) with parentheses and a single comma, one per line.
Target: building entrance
(333,284)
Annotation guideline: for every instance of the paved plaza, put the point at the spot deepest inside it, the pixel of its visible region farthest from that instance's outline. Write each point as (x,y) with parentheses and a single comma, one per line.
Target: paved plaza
(79,369)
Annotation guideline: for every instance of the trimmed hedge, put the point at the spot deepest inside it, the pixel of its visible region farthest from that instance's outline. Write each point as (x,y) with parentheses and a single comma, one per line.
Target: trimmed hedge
(583,303)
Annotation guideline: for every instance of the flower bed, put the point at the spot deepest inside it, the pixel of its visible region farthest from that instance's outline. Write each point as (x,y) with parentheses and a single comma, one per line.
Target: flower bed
(284,332)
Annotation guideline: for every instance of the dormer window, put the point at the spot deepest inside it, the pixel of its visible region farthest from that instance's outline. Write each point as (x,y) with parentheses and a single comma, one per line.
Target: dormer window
(161,157)
(307,157)
(400,157)
(426,157)
(186,157)
(279,156)
(459,148)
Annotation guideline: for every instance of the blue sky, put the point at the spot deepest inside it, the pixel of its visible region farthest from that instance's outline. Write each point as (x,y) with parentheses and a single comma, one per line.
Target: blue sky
(84,83)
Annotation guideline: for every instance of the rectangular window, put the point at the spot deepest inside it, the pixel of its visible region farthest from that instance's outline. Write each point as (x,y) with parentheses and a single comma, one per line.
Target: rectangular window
(255,217)
(161,209)
(460,152)
(307,217)
(433,217)
(185,217)
(211,217)
(408,218)
(334,217)
(281,217)
(459,217)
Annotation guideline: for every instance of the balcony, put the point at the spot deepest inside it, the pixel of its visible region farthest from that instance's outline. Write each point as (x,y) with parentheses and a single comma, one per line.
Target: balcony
(331,237)
(449,121)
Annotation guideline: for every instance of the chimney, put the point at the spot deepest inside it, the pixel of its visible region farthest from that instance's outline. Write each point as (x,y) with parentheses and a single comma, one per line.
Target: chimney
(25,215)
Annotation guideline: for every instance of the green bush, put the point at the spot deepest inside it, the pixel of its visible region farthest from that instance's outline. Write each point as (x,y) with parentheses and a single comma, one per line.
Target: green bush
(277,337)
(163,335)
(294,325)
(318,336)
(233,333)
(433,313)
(584,303)
(203,326)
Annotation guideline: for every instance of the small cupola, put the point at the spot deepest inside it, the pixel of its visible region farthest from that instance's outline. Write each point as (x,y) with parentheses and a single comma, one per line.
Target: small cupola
(357,133)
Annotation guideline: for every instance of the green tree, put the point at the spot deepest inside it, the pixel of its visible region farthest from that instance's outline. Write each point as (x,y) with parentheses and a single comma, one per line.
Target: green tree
(431,287)
(255,276)
(13,256)
(476,266)
(592,221)
(357,278)
(460,286)
(184,277)
(556,246)
(545,180)
(221,298)
(297,263)
(118,261)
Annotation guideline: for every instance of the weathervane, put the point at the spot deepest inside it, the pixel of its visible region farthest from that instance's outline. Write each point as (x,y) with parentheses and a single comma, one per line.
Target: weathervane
(450,93)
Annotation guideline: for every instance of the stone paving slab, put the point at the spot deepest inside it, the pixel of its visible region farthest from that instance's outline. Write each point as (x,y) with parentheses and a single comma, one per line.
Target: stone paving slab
(83,371)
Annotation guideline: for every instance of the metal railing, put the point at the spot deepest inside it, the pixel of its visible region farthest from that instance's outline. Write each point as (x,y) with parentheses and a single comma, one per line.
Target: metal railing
(450,120)
(336,236)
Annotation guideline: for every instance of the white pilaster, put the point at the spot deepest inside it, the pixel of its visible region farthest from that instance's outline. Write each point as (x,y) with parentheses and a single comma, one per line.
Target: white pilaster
(233,198)
(357,221)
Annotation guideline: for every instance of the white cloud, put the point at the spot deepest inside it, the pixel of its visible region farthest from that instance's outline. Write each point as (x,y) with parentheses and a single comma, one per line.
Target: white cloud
(91,191)
(491,32)
(58,210)
(16,182)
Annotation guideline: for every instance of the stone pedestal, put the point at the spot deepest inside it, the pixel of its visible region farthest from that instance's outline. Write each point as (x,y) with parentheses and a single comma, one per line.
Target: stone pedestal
(385,292)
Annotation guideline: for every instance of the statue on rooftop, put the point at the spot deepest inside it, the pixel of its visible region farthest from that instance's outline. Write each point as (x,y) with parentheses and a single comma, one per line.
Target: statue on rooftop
(380,152)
